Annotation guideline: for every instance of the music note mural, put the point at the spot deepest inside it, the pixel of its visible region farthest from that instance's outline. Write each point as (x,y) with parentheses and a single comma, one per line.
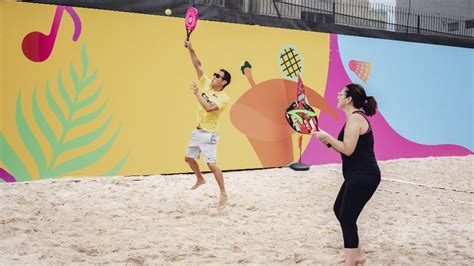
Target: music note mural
(38,46)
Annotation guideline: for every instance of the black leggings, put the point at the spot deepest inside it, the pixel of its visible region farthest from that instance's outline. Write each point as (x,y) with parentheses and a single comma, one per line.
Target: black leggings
(351,199)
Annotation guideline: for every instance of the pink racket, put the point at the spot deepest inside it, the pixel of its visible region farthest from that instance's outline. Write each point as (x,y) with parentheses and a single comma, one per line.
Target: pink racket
(191,20)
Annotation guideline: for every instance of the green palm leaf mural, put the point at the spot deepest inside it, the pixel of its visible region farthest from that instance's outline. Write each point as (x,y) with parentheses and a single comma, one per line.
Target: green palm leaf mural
(47,163)
(11,160)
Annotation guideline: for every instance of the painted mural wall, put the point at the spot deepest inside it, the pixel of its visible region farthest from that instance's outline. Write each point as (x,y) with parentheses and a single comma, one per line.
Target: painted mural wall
(95,93)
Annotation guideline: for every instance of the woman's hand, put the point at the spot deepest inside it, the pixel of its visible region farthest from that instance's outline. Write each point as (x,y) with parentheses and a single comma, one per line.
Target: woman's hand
(323,136)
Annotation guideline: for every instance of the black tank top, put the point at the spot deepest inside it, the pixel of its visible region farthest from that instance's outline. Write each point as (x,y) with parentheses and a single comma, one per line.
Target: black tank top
(361,163)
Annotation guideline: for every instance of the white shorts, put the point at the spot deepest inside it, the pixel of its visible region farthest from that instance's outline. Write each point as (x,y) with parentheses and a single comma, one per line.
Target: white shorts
(205,142)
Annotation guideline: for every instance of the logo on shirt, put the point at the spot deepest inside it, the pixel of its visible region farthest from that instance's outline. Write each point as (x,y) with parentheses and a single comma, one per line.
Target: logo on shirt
(206,97)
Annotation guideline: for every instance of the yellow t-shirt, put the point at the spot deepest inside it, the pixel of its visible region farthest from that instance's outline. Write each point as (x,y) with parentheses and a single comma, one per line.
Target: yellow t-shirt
(209,121)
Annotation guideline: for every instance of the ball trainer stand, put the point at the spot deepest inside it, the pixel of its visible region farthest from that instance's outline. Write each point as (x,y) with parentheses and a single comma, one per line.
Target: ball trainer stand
(299,166)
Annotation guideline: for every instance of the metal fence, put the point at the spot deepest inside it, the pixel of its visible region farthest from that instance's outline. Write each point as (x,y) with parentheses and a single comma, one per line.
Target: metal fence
(354,13)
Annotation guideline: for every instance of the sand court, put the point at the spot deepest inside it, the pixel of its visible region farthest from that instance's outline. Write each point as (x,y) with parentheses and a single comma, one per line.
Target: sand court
(421,214)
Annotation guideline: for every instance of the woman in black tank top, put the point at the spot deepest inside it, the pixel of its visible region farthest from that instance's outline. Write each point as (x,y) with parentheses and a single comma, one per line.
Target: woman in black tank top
(361,173)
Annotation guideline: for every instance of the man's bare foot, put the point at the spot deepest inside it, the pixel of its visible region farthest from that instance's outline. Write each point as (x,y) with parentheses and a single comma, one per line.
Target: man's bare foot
(222,200)
(198,183)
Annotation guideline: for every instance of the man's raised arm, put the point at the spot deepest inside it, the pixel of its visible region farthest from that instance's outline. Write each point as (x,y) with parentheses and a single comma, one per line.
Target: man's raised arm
(194,59)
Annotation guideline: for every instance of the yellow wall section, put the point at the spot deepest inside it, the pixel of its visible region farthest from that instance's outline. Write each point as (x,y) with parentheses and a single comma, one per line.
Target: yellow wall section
(146,74)
(2,7)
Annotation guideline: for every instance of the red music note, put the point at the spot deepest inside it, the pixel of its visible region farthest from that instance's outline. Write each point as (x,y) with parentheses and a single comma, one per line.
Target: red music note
(38,47)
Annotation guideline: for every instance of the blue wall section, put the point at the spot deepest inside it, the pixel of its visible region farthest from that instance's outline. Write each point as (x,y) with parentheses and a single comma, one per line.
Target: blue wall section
(424,91)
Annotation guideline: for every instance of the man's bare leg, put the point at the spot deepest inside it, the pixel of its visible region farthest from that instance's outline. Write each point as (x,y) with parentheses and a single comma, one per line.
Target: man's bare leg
(195,167)
(220,181)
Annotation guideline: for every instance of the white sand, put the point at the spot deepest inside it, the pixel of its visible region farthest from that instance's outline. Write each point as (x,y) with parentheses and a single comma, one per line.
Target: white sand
(422,214)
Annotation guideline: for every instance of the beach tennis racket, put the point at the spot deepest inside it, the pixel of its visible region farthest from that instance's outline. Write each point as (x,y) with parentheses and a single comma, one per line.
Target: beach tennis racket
(299,114)
(301,117)
(190,22)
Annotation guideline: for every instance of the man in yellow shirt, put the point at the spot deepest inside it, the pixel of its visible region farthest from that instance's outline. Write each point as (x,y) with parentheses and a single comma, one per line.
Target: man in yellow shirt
(212,100)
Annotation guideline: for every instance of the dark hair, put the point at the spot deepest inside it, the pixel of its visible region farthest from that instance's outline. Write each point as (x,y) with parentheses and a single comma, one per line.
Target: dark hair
(361,100)
(226,77)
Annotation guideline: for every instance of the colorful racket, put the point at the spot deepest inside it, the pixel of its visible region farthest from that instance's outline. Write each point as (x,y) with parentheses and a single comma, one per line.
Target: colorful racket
(300,115)
(191,20)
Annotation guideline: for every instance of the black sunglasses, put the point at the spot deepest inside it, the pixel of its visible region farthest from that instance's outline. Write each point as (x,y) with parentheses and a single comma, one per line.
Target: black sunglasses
(217,75)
